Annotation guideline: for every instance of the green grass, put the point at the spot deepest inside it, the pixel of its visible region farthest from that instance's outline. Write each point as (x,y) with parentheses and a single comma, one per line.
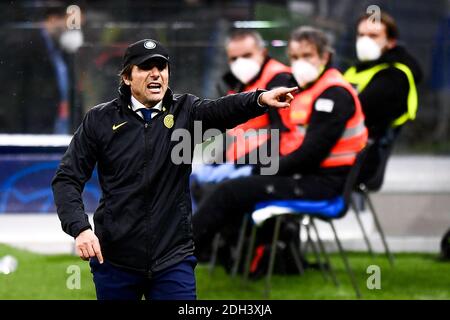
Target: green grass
(415,276)
(43,277)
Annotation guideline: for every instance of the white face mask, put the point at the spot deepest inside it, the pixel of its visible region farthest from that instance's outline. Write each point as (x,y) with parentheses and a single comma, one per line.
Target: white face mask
(304,72)
(245,69)
(71,40)
(367,49)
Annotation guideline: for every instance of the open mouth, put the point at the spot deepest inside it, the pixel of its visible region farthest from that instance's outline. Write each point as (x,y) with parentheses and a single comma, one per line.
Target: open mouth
(154,87)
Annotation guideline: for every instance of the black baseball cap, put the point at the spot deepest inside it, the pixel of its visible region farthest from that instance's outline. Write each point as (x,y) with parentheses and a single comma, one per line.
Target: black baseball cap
(144,50)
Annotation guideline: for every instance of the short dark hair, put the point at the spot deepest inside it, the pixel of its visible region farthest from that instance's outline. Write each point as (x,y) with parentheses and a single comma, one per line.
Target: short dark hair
(387,20)
(314,36)
(238,34)
(126,71)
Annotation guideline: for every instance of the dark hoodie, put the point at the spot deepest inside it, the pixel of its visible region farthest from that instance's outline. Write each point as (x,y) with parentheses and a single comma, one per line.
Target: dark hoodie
(385,97)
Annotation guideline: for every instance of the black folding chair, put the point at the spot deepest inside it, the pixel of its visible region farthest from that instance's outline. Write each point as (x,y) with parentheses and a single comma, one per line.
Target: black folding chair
(326,210)
(371,180)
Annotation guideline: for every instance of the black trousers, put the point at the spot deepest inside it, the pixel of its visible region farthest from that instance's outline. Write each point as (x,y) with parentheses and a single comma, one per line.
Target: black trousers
(229,201)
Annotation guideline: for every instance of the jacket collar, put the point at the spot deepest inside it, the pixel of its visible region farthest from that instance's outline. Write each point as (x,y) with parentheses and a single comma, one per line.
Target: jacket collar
(396,54)
(389,56)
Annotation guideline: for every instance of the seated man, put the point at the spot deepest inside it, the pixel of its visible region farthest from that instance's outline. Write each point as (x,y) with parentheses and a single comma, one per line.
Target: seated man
(329,118)
(385,78)
(251,68)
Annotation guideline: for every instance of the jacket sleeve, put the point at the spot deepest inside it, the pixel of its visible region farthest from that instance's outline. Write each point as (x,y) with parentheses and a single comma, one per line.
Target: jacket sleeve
(324,130)
(73,172)
(227,112)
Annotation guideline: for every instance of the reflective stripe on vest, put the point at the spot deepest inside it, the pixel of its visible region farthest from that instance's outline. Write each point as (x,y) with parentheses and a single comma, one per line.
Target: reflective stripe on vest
(361,80)
(348,132)
(354,137)
(255,139)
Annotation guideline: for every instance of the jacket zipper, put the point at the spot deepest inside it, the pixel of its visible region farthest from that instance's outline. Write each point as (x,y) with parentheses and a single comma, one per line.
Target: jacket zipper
(147,205)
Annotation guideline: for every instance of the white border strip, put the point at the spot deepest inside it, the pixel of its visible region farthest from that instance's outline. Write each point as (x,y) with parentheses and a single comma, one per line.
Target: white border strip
(34,140)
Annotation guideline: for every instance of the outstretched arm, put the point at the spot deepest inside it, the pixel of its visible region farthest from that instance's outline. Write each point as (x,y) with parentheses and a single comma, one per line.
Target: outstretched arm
(229,111)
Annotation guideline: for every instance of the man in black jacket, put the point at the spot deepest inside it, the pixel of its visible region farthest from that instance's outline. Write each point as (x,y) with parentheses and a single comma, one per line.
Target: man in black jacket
(143,221)
(385,77)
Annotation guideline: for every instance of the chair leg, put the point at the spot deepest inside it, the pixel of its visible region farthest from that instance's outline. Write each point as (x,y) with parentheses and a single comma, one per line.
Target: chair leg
(346,263)
(215,248)
(325,255)
(296,251)
(249,256)
(316,252)
(379,228)
(305,247)
(240,245)
(273,253)
(361,226)
(297,259)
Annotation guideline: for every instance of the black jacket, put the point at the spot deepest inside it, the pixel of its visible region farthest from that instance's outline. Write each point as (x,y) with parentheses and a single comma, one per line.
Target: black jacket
(385,97)
(383,100)
(143,220)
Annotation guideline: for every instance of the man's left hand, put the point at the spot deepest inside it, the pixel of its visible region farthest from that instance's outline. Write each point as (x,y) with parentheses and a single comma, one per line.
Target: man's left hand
(277,98)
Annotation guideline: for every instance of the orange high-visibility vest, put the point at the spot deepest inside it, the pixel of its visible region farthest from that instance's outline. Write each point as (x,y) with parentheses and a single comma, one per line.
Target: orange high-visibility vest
(252,140)
(354,137)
